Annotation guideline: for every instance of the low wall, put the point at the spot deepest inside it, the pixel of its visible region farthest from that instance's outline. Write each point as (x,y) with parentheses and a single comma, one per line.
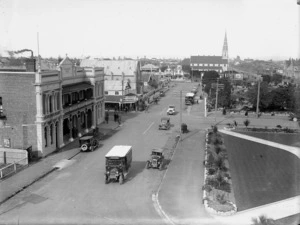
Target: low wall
(9,155)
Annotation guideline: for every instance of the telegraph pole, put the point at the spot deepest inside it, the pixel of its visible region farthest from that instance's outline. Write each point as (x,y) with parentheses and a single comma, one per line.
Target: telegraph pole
(258,93)
(216,105)
(180,115)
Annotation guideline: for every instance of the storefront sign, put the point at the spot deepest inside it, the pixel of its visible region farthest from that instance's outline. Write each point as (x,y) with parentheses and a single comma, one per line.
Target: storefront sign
(6,143)
(130,99)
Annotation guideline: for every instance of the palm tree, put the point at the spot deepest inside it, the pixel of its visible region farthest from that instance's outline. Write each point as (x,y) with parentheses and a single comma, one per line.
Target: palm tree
(246,123)
(263,220)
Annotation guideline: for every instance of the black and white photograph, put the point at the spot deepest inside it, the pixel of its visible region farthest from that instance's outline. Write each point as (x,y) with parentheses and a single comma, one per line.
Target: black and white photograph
(150,112)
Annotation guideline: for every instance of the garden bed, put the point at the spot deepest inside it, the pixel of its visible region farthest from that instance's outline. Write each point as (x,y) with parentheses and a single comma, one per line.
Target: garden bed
(218,197)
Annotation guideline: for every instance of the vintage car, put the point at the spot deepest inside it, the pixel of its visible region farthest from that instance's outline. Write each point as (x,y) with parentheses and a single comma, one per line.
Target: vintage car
(156,159)
(171,110)
(117,163)
(164,123)
(161,93)
(88,143)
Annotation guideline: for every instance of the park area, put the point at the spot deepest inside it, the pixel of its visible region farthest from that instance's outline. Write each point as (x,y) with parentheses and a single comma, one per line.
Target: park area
(261,174)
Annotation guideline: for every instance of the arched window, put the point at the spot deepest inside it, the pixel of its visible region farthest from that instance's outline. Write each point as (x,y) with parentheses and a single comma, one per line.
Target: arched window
(46,136)
(50,104)
(57,101)
(51,134)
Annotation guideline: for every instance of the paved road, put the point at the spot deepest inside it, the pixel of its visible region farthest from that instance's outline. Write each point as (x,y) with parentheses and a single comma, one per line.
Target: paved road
(78,194)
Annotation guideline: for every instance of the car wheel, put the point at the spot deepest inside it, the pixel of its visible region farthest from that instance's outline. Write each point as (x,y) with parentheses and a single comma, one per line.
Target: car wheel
(160,166)
(84,147)
(106,180)
(147,165)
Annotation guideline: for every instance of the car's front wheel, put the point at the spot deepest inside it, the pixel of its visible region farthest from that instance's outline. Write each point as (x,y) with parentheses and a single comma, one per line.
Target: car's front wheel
(84,147)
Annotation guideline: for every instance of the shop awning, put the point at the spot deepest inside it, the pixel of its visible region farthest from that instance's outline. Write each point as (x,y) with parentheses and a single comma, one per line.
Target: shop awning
(113,99)
(121,99)
(76,87)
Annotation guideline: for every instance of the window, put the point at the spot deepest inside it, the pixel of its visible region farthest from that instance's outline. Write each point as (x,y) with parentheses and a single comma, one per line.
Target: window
(201,64)
(1,107)
(216,64)
(106,92)
(205,64)
(45,135)
(116,93)
(195,64)
(211,64)
(57,101)
(50,104)
(51,134)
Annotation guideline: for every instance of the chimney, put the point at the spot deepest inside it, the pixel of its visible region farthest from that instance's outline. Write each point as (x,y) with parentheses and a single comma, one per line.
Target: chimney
(30,65)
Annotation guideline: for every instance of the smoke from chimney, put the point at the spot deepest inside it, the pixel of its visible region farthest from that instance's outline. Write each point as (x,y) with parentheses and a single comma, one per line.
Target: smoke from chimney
(24,50)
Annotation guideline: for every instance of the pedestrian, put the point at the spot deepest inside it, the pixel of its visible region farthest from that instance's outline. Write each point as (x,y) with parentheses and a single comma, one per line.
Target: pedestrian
(246,113)
(126,109)
(115,116)
(119,119)
(106,117)
(235,124)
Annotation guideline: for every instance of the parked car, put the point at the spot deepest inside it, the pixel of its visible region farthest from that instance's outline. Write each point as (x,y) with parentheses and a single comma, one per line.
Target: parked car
(171,110)
(164,123)
(294,117)
(117,163)
(161,93)
(156,159)
(88,143)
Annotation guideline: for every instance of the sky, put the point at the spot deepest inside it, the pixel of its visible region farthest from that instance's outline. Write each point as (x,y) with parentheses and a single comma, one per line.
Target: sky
(258,29)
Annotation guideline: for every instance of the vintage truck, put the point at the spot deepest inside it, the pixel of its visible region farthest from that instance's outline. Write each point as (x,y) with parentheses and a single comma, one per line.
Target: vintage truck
(117,163)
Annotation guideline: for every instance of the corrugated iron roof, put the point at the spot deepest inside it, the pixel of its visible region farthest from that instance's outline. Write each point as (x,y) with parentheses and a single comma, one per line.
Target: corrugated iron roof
(208,60)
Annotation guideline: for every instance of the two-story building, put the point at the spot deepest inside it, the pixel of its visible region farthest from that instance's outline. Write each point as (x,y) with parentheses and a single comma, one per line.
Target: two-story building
(123,83)
(48,109)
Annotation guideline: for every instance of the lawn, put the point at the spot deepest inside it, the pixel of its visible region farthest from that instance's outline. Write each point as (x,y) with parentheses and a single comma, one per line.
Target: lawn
(261,174)
(282,138)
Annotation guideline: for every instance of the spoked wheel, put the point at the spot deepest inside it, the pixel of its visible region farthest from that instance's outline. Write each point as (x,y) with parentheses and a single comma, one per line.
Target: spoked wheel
(147,165)
(106,180)
(160,166)
(84,147)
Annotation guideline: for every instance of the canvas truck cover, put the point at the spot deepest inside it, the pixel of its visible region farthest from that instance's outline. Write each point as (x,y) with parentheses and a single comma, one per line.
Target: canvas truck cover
(189,94)
(120,151)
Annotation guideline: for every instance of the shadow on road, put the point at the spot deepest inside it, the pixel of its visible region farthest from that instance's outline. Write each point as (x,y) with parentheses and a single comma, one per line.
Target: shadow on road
(136,168)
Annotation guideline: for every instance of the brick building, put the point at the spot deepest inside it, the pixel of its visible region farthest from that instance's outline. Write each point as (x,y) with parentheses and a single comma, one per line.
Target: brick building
(48,109)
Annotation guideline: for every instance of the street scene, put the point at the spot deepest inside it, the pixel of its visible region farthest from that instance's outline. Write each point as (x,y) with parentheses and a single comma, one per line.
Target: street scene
(96,128)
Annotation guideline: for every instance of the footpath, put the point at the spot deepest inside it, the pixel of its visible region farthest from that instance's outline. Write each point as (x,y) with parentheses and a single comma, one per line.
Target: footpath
(37,170)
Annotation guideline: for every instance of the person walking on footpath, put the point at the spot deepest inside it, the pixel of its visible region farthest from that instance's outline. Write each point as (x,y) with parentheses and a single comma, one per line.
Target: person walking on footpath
(106,117)
(115,117)
(119,119)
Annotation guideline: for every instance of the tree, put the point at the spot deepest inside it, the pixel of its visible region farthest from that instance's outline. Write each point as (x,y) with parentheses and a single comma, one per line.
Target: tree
(263,220)
(246,123)
(265,97)
(224,95)
(210,77)
(277,78)
(186,65)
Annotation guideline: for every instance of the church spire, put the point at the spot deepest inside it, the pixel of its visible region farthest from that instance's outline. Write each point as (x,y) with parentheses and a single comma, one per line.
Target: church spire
(225,48)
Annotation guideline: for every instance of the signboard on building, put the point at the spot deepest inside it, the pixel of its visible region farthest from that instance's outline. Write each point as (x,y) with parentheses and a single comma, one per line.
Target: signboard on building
(6,143)
(130,99)
(238,76)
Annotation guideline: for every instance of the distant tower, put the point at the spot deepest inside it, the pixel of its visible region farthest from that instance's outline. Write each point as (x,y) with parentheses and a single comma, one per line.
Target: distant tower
(225,48)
